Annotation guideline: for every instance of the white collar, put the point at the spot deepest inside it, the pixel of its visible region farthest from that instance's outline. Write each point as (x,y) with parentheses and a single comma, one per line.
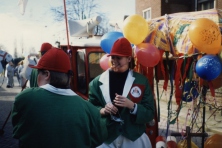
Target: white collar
(64,92)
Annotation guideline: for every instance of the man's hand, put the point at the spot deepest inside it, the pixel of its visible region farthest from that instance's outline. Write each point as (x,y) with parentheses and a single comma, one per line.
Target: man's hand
(109,109)
(123,102)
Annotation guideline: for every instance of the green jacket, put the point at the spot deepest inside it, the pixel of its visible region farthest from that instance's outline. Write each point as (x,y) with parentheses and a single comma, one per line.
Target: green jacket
(134,125)
(42,119)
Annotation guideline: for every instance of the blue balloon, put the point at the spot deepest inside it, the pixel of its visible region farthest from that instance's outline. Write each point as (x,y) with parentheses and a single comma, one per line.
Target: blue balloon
(190,91)
(109,39)
(208,67)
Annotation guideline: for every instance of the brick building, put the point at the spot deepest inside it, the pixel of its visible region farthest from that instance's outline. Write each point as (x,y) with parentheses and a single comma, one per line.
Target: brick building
(154,8)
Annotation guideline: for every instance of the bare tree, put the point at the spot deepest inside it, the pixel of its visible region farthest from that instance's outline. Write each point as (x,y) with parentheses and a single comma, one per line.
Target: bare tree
(79,10)
(76,10)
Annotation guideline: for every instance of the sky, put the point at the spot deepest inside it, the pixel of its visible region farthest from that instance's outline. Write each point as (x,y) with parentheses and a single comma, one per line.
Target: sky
(37,25)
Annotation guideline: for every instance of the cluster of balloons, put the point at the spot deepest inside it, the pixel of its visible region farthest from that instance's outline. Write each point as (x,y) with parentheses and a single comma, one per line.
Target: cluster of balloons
(206,37)
(171,142)
(162,142)
(135,29)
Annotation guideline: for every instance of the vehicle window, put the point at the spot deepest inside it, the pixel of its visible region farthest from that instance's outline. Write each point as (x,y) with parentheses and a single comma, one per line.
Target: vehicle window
(81,85)
(94,66)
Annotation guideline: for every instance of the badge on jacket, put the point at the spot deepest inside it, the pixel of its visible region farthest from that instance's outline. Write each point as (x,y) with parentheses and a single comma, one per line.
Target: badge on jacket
(136,92)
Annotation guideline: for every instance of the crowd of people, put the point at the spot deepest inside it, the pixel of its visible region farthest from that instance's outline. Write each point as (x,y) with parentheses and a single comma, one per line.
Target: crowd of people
(50,114)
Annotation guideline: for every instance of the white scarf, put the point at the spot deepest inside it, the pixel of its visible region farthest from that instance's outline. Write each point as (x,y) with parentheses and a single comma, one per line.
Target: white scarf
(64,92)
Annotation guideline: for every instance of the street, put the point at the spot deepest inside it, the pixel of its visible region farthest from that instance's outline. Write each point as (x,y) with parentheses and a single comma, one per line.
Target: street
(7,96)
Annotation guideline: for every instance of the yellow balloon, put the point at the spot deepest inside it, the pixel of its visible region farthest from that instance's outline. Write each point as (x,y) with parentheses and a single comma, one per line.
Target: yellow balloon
(205,36)
(135,29)
(183,144)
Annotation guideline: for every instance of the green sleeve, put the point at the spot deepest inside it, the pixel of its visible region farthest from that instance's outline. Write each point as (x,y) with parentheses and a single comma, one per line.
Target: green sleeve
(98,130)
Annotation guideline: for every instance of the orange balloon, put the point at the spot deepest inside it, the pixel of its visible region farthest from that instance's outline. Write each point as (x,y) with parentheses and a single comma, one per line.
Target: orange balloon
(205,36)
(214,141)
(135,29)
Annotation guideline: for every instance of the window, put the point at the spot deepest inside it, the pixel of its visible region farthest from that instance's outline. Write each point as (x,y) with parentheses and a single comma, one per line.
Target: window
(147,14)
(204,5)
(94,65)
(81,85)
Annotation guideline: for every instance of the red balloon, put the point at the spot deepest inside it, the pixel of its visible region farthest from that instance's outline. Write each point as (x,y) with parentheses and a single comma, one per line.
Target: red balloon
(160,142)
(171,144)
(148,55)
(160,138)
(104,62)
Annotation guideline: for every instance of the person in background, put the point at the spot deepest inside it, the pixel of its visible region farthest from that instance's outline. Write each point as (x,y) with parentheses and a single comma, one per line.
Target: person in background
(10,75)
(52,115)
(33,78)
(20,67)
(17,74)
(125,100)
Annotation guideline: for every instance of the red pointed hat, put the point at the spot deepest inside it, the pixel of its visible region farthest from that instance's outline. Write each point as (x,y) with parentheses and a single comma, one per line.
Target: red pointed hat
(121,47)
(55,60)
(45,47)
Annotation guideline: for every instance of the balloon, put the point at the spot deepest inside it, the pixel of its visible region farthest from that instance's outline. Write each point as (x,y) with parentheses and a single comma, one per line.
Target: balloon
(171,138)
(190,91)
(148,55)
(205,35)
(109,39)
(214,141)
(135,29)
(171,144)
(160,142)
(104,62)
(208,67)
(183,144)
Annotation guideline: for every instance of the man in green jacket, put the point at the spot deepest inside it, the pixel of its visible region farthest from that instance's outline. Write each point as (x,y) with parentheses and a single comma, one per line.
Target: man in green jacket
(52,115)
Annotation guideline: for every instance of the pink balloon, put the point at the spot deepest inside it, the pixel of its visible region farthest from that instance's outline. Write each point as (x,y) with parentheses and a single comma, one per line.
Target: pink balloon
(104,62)
(148,55)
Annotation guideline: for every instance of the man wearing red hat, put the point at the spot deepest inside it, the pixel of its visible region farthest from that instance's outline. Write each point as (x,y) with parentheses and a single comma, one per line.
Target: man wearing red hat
(52,115)
(33,78)
(125,100)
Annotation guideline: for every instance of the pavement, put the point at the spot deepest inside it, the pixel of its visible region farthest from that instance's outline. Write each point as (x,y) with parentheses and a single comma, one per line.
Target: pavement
(7,96)
(213,116)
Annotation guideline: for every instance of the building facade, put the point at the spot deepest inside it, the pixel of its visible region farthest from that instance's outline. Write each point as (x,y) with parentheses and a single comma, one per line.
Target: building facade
(150,9)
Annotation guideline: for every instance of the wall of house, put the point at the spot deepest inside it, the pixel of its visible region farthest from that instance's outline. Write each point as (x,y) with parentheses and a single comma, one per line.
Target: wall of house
(144,4)
(162,7)
(219,4)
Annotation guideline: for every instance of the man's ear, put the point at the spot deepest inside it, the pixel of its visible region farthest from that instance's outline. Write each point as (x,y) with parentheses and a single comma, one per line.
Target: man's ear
(47,74)
(129,59)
